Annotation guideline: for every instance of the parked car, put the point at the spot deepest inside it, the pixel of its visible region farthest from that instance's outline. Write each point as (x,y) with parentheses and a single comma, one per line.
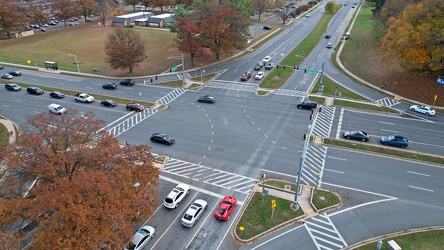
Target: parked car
(423,109)
(12,87)
(15,73)
(266,27)
(176,196)
(329,45)
(162,138)
(225,208)
(207,99)
(7,76)
(246,76)
(127,82)
(194,213)
(108,103)
(141,238)
(260,75)
(356,135)
(307,105)
(395,140)
(35,90)
(56,109)
(111,86)
(43,29)
(57,94)
(266,59)
(269,66)
(135,107)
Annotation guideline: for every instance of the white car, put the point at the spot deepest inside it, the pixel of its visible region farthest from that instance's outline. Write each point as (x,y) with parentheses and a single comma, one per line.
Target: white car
(141,238)
(194,212)
(56,109)
(266,59)
(423,109)
(260,75)
(308,15)
(176,196)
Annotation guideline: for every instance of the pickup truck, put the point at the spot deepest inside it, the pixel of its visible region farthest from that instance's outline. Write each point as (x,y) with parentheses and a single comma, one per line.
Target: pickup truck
(83,98)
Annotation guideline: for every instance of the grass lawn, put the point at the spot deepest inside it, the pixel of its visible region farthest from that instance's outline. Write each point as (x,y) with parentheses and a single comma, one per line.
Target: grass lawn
(4,136)
(281,184)
(430,240)
(330,88)
(322,199)
(256,218)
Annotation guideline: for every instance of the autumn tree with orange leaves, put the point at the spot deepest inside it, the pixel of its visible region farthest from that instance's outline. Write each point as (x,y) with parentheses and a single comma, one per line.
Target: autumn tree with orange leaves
(11,19)
(87,192)
(415,37)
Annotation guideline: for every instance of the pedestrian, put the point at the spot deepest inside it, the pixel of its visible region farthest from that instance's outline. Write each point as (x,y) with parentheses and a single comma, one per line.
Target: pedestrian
(382,86)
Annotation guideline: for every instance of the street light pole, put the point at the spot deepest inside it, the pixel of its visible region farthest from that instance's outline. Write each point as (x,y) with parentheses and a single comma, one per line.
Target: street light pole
(334,98)
(77,62)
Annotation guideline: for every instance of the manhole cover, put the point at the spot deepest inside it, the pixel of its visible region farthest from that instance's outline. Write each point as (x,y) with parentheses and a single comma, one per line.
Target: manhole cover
(287,187)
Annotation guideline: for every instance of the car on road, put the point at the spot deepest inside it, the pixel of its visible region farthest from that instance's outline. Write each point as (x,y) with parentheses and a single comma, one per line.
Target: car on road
(12,87)
(162,138)
(266,27)
(423,109)
(57,94)
(127,82)
(329,45)
(356,135)
(266,59)
(15,73)
(35,90)
(308,15)
(260,75)
(56,109)
(111,86)
(246,76)
(194,212)
(1,67)
(258,66)
(108,103)
(269,66)
(7,76)
(135,107)
(306,105)
(176,196)
(395,140)
(83,97)
(327,36)
(141,238)
(225,208)
(207,99)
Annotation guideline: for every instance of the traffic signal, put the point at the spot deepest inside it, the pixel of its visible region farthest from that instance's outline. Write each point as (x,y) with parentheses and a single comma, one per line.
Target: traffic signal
(319,110)
(305,137)
(171,70)
(305,70)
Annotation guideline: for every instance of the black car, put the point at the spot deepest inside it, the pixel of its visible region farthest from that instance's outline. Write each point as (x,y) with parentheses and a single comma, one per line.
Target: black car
(35,90)
(162,138)
(327,36)
(127,82)
(111,86)
(12,87)
(1,67)
(135,107)
(207,99)
(356,135)
(15,73)
(266,27)
(57,94)
(108,103)
(307,105)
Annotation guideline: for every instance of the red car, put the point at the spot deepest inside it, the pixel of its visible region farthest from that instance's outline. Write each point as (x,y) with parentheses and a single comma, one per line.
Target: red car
(246,76)
(135,107)
(225,208)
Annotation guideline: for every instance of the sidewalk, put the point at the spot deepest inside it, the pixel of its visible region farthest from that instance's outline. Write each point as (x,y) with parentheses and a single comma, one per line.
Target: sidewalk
(10,127)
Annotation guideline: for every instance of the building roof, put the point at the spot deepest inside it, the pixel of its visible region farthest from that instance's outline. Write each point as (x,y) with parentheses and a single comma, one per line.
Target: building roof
(132,17)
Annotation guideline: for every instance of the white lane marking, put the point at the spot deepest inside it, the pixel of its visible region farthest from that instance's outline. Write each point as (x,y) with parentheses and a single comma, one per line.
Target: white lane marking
(274,172)
(338,132)
(336,158)
(201,224)
(334,171)
(427,144)
(179,215)
(235,71)
(387,123)
(277,236)
(410,172)
(18,100)
(425,189)
(392,131)
(284,147)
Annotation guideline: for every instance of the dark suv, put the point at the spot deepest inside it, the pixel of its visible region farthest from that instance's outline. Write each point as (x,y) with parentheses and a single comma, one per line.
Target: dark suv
(307,105)
(127,82)
(35,90)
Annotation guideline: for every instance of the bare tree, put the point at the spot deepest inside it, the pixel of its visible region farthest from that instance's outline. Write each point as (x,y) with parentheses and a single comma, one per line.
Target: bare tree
(87,7)
(124,49)
(260,6)
(65,9)
(105,9)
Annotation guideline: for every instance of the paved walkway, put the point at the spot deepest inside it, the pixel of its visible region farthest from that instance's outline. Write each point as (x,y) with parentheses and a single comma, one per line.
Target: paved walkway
(10,127)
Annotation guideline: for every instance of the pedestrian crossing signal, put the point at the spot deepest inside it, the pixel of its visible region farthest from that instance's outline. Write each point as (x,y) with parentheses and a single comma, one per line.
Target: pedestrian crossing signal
(305,137)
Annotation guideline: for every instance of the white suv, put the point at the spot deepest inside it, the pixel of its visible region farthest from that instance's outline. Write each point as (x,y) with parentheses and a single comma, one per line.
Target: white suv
(176,196)
(56,109)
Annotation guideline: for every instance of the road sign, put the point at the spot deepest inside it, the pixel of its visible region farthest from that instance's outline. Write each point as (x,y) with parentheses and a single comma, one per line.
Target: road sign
(29,61)
(436,96)
(173,69)
(273,204)
(313,70)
